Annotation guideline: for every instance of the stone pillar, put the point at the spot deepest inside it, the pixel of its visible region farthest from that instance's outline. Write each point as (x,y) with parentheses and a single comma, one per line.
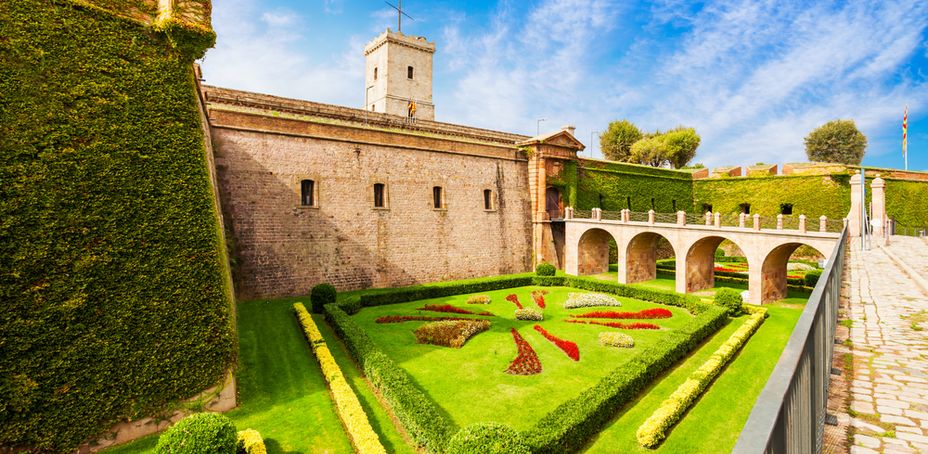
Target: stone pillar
(741,220)
(572,233)
(681,217)
(802,223)
(854,218)
(780,221)
(651,217)
(680,275)
(626,215)
(569,213)
(757,222)
(755,282)
(718,220)
(597,214)
(878,205)
(708,218)
(823,223)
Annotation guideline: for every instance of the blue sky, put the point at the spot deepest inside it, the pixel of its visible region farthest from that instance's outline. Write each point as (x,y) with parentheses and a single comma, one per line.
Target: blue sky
(753,77)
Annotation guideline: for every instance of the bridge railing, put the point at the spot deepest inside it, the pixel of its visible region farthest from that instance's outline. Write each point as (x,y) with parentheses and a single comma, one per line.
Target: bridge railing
(780,222)
(789,415)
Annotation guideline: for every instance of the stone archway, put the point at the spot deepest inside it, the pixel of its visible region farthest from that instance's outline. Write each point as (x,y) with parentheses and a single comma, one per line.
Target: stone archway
(640,261)
(774,271)
(593,252)
(700,263)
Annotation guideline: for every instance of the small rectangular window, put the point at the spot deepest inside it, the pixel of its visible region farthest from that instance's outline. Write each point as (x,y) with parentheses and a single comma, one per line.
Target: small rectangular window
(437,196)
(745,208)
(409,72)
(380,199)
(786,208)
(487,199)
(707,208)
(307,193)
(375,73)
(628,203)
(674,204)
(652,203)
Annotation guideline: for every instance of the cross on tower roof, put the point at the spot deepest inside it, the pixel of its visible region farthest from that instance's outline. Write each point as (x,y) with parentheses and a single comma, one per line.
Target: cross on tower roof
(399,14)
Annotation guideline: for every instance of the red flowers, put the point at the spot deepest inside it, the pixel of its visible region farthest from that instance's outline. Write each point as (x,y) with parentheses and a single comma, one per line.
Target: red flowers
(414,318)
(526,362)
(568,347)
(657,312)
(539,297)
(728,270)
(620,325)
(512,298)
(450,308)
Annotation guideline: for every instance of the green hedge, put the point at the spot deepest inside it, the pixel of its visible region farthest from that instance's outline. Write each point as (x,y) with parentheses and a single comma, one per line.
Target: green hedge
(419,415)
(612,189)
(112,273)
(691,303)
(487,438)
(438,290)
(811,195)
(200,433)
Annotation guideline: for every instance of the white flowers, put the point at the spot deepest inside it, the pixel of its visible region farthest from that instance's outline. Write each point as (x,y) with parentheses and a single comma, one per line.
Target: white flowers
(614,339)
(575,300)
(529,314)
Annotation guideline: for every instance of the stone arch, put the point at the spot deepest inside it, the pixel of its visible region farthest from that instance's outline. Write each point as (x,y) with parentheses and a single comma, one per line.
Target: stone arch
(593,252)
(641,257)
(700,262)
(774,272)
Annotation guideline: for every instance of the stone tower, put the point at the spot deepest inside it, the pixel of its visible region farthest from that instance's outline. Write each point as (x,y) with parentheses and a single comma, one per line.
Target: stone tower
(398,68)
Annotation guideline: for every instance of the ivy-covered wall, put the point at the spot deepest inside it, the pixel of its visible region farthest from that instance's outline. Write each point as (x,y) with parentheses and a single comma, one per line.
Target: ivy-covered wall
(112,281)
(812,195)
(907,202)
(612,186)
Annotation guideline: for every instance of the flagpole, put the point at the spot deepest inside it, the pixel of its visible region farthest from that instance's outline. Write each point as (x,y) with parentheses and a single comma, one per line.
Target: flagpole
(905,138)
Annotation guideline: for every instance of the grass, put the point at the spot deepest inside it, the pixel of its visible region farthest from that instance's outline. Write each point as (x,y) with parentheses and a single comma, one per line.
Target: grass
(717,418)
(476,389)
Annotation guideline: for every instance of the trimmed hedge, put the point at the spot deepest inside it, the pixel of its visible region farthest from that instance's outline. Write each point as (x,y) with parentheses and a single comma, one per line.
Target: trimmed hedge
(250,442)
(437,290)
(730,299)
(654,429)
(487,438)
(545,269)
(357,425)
(113,278)
(415,410)
(321,295)
(200,433)
(812,277)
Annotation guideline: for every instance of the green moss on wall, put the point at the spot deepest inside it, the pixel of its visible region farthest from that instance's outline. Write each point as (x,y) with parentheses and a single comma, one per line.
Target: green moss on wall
(613,186)
(111,278)
(813,195)
(907,202)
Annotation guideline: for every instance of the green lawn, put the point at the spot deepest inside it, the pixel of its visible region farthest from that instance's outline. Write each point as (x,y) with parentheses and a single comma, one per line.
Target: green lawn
(470,383)
(717,418)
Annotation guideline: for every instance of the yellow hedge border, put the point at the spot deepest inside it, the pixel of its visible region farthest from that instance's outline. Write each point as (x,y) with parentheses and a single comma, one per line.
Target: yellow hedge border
(653,431)
(250,442)
(349,409)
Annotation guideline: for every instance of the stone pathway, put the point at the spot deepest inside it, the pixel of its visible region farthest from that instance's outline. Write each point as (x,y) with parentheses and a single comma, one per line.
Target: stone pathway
(889,338)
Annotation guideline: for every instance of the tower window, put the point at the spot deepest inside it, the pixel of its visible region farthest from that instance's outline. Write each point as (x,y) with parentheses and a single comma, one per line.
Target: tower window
(375,73)
(487,199)
(308,193)
(438,195)
(409,72)
(745,208)
(380,195)
(786,208)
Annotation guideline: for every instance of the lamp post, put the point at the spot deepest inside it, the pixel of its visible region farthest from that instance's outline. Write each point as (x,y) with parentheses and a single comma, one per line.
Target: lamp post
(538,126)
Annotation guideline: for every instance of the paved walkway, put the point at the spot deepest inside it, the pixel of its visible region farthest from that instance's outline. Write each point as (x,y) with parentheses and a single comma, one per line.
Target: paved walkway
(889,335)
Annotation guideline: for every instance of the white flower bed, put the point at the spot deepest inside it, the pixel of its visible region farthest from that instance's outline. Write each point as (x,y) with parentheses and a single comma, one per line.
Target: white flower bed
(575,300)
(529,314)
(478,299)
(613,339)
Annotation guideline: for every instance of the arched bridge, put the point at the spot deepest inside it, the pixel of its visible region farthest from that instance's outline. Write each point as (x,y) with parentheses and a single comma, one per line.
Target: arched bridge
(587,236)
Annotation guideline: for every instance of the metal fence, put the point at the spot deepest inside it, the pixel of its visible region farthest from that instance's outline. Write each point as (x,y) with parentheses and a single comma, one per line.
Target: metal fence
(789,415)
(896,228)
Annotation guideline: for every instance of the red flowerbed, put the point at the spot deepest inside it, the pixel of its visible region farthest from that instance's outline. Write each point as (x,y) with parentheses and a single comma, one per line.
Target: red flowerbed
(729,270)
(568,347)
(620,325)
(414,318)
(450,308)
(526,362)
(512,298)
(657,312)
(539,297)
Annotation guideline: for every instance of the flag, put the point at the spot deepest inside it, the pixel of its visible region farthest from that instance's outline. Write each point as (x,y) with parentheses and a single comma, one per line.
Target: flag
(905,130)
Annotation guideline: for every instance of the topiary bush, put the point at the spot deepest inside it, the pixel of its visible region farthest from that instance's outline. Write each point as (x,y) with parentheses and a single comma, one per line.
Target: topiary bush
(730,299)
(206,433)
(545,269)
(321,295)
(487,438)
(811,277)
(250,442)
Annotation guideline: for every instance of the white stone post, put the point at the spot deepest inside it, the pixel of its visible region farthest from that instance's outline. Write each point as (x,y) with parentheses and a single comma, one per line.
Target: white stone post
(878,205)
(802,223)
(708,218)
(718,220)
(626,216)
(597,214)
(823,223)
(780,221)
(651,217)
(741,220)
(681,217)
(756,222)
(569,213)
(855,221)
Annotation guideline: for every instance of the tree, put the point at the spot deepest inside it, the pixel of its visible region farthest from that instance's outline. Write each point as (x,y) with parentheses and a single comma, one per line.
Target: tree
(616,142)
(652,151)
(681,146)
(837,141)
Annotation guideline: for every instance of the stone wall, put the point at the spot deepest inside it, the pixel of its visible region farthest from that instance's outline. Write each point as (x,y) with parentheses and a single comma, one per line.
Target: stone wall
(283,248)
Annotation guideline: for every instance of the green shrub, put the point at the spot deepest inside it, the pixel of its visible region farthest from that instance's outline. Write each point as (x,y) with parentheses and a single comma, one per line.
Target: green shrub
(487,438)
(321,295)
(250,442)
(545,269)
(811,278)
(730,299)
(719,254)
(439,289)
(200,433)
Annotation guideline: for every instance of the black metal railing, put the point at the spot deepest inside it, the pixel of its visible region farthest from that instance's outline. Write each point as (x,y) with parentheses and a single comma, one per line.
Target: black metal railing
(789,415)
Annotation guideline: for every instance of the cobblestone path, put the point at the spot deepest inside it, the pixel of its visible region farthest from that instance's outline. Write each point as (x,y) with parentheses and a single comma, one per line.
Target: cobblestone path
(889,336)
